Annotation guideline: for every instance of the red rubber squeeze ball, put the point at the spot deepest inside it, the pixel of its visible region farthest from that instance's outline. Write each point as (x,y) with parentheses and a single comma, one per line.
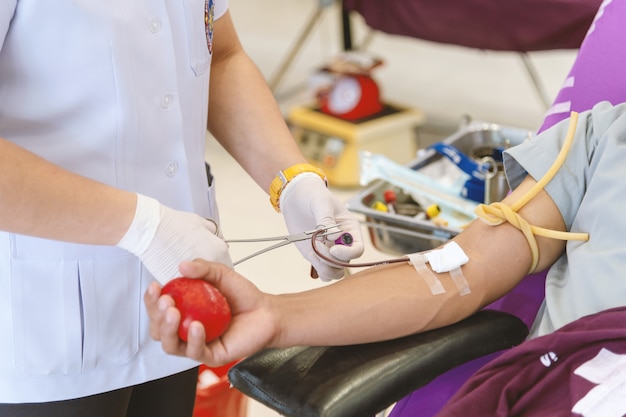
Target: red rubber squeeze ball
(198,300)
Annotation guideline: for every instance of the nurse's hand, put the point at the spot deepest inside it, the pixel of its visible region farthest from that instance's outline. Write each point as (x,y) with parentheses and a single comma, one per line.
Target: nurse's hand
(162,238)
(306,204)
(252,327)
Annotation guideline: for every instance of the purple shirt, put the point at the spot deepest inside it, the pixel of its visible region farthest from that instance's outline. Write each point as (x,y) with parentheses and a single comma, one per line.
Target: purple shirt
(579,369)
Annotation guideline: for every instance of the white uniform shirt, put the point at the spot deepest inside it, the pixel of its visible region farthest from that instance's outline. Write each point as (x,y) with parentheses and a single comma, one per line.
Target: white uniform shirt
(590,193)
(115,91)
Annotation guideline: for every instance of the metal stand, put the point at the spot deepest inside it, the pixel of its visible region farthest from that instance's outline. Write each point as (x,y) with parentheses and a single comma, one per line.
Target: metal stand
(534,78)
(293,51)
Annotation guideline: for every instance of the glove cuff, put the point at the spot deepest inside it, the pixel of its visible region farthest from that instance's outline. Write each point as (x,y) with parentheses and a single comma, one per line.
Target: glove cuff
(143,227)
(284,177)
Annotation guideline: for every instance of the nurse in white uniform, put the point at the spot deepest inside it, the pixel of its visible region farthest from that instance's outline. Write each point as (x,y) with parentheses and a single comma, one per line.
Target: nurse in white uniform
(103,114)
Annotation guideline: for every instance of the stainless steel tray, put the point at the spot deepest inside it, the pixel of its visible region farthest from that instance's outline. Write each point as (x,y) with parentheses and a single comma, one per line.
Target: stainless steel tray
(402,232)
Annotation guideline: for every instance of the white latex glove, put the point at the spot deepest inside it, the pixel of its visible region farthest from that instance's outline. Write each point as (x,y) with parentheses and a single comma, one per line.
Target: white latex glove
(162,238)
(306,203)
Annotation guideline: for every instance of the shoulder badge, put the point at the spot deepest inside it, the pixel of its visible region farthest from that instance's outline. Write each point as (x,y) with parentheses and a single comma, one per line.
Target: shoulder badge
(209,7)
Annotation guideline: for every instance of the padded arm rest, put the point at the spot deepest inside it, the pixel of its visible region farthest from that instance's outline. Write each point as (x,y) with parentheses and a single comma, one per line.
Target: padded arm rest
(361,380)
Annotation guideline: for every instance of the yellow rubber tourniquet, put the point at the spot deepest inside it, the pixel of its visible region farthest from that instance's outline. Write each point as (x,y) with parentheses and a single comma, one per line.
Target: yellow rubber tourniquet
(498,213)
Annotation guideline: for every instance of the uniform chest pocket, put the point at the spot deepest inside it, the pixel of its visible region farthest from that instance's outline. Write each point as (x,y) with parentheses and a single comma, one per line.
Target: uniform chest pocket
(199,21)
(73,315)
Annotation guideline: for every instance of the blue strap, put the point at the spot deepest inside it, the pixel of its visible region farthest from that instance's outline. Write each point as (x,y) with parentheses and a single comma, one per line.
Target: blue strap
(466,164)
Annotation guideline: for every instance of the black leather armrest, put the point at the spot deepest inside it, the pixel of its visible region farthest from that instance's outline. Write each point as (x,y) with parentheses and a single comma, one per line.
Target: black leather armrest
(361,380)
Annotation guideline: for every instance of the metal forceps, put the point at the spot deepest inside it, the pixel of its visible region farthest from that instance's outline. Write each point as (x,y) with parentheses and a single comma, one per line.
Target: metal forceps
(284,240)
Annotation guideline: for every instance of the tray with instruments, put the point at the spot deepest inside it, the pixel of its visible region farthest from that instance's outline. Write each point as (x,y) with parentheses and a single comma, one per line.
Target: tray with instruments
(416,207)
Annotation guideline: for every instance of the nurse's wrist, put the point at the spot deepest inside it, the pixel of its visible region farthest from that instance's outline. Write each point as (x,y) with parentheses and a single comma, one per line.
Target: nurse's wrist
(143,227)
(286,176)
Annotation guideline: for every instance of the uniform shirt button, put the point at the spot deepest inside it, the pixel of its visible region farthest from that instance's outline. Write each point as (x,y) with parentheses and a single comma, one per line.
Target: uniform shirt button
(167,100)
(171,168)
(155,25)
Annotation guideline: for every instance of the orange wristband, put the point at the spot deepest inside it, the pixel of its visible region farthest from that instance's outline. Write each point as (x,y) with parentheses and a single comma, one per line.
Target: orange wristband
(284,177)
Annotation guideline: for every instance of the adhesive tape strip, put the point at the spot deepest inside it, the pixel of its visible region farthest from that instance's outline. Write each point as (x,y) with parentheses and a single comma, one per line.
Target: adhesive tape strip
(418,261)
(459,280)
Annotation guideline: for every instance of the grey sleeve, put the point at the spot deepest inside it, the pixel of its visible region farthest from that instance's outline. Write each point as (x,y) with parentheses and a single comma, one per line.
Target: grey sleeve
(537,156)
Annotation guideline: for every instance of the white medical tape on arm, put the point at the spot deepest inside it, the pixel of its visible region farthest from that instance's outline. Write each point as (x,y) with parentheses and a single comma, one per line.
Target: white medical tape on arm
(450,258)
(459,280)
(418,261)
